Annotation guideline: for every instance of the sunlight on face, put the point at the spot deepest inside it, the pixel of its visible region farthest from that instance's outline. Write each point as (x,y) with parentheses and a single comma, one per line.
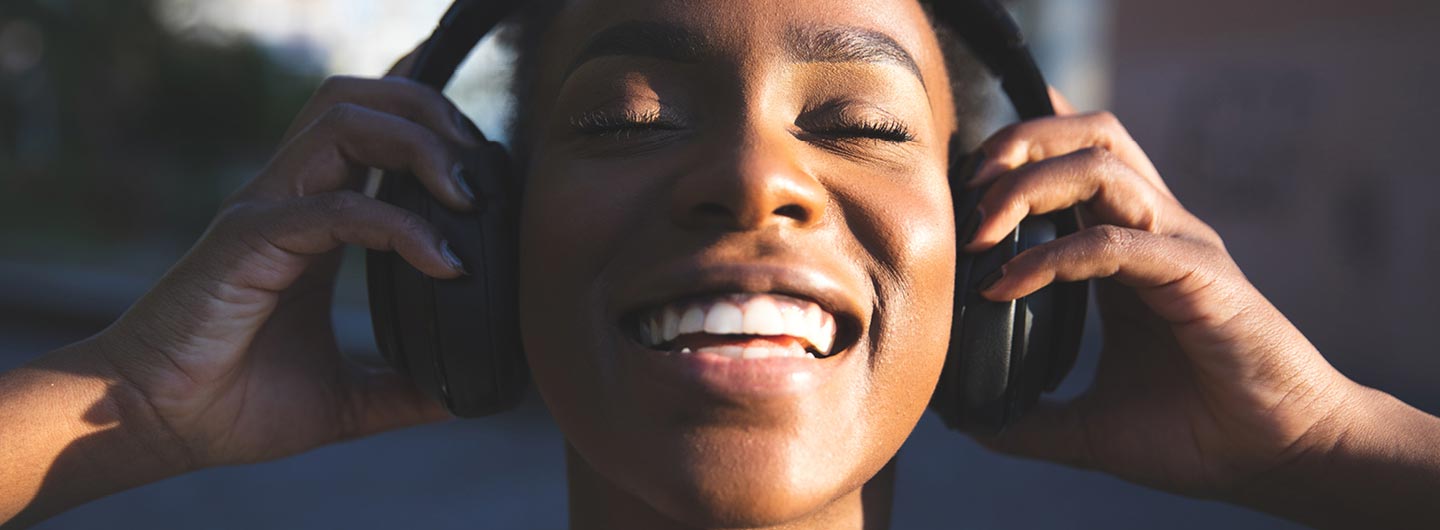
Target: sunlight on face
(738,249)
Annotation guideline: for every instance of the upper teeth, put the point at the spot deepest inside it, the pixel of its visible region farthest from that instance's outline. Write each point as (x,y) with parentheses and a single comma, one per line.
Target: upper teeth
(741,314)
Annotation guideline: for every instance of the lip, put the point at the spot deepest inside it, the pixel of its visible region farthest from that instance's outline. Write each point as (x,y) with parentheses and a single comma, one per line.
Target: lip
(738,380)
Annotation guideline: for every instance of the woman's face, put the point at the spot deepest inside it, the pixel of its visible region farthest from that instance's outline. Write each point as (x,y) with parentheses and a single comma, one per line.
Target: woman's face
(738,246)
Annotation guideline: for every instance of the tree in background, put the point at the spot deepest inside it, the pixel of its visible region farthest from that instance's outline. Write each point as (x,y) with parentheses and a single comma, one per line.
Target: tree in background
(113,129)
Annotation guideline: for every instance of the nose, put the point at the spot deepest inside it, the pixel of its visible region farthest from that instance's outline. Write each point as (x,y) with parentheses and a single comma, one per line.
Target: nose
(753,184)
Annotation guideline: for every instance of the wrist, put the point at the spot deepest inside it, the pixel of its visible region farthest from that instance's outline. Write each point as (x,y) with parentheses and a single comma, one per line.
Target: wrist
(1370,463)
(79,432)
(132,410)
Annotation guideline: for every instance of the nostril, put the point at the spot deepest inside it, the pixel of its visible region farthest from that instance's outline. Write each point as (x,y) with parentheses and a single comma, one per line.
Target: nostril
(794,211)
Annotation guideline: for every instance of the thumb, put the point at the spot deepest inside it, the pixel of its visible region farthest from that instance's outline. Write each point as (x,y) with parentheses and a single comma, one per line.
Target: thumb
(1051,431)
(382,400)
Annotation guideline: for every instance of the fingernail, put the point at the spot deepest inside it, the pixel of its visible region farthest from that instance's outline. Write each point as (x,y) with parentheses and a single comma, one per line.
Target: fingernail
(451,258)
(462,177)
(972,227)
(990,281)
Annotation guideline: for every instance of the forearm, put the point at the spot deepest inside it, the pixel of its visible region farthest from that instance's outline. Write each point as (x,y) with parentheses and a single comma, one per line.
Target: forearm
(1381,471)
(72,432)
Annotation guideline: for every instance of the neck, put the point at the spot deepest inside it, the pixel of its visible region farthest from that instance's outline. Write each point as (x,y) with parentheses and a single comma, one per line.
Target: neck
(596,503)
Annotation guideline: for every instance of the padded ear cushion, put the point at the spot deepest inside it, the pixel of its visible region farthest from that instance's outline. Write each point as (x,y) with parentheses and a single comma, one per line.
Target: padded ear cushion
(398,292)
(477,316)
(1002,356)
(458,339)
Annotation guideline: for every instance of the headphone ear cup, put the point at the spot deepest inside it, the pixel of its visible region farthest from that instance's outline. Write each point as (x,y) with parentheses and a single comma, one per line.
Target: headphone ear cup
(976,383)
(395,291)
(946,400)
(1003,355)
(458,339)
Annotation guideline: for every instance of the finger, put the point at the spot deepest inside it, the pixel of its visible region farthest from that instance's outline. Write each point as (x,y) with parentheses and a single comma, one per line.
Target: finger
(382,400)
(1182,280)
(1110,190)
(289,233)
(405,66)
(1043,138)
(1061,103)
(329,155)
(397,96)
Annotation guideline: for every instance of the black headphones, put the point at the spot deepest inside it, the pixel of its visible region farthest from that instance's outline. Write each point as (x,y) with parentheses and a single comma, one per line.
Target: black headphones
(460,339)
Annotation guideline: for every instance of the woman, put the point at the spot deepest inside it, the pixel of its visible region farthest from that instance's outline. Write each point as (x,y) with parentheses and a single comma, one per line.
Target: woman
(736,162)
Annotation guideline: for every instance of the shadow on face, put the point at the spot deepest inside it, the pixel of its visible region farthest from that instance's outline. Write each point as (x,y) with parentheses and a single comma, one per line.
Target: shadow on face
(738,249)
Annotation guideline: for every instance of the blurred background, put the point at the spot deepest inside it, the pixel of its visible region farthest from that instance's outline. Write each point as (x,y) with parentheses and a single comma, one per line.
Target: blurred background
(1301,129)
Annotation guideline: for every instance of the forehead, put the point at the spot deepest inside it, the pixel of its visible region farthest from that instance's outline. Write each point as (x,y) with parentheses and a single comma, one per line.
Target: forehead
(747,29)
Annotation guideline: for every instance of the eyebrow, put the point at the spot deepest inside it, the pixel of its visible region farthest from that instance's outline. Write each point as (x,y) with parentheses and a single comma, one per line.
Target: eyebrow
(806,44)
(847,44)
(644,39)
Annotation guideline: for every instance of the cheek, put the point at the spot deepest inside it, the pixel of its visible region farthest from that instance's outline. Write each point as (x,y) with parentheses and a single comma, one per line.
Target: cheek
(571,227)
(909,233)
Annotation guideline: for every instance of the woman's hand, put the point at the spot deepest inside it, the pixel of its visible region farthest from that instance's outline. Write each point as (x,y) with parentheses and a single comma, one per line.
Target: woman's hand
(1203,387)
(233,351)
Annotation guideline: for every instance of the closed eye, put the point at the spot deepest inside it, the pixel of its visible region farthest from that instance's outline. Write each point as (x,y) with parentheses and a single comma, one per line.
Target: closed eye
(622,122)
(847,121)
(885,131)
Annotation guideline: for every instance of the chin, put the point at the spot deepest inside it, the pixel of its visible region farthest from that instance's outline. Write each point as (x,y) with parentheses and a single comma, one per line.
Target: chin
(713,441)
(754,474)
(734,478)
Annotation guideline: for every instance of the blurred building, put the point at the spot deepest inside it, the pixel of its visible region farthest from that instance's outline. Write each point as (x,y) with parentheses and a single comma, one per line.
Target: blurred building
(1304,131)
(360,37)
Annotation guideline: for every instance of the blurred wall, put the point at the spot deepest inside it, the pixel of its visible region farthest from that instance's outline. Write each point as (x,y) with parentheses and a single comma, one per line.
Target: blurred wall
(1303,130)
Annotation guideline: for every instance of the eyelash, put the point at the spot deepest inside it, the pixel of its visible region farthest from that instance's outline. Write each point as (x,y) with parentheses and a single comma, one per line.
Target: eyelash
(621,123)
(882,130)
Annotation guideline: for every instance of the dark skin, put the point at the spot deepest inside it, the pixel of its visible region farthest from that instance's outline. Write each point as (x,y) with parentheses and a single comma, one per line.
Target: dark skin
(750,166)
(747,187)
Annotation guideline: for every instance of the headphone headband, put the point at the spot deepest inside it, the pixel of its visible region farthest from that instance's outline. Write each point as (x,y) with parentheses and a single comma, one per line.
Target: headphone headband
(464,24)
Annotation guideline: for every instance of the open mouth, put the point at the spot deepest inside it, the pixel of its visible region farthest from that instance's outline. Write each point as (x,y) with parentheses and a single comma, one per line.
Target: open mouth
(740,326)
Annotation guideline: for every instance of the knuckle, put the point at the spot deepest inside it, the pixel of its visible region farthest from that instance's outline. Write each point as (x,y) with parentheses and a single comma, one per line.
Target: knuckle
(1104,165)
(412,98)
(1113,130)
(1005,135)
(1101,160)
(412,225)
(333,87)
(1107,120)
(1113,238)
(336,204)
(1025,187)
(1007,142)
(340,116)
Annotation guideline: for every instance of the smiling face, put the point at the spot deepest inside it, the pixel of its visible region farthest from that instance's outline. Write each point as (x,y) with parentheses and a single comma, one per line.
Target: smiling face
(738,247)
